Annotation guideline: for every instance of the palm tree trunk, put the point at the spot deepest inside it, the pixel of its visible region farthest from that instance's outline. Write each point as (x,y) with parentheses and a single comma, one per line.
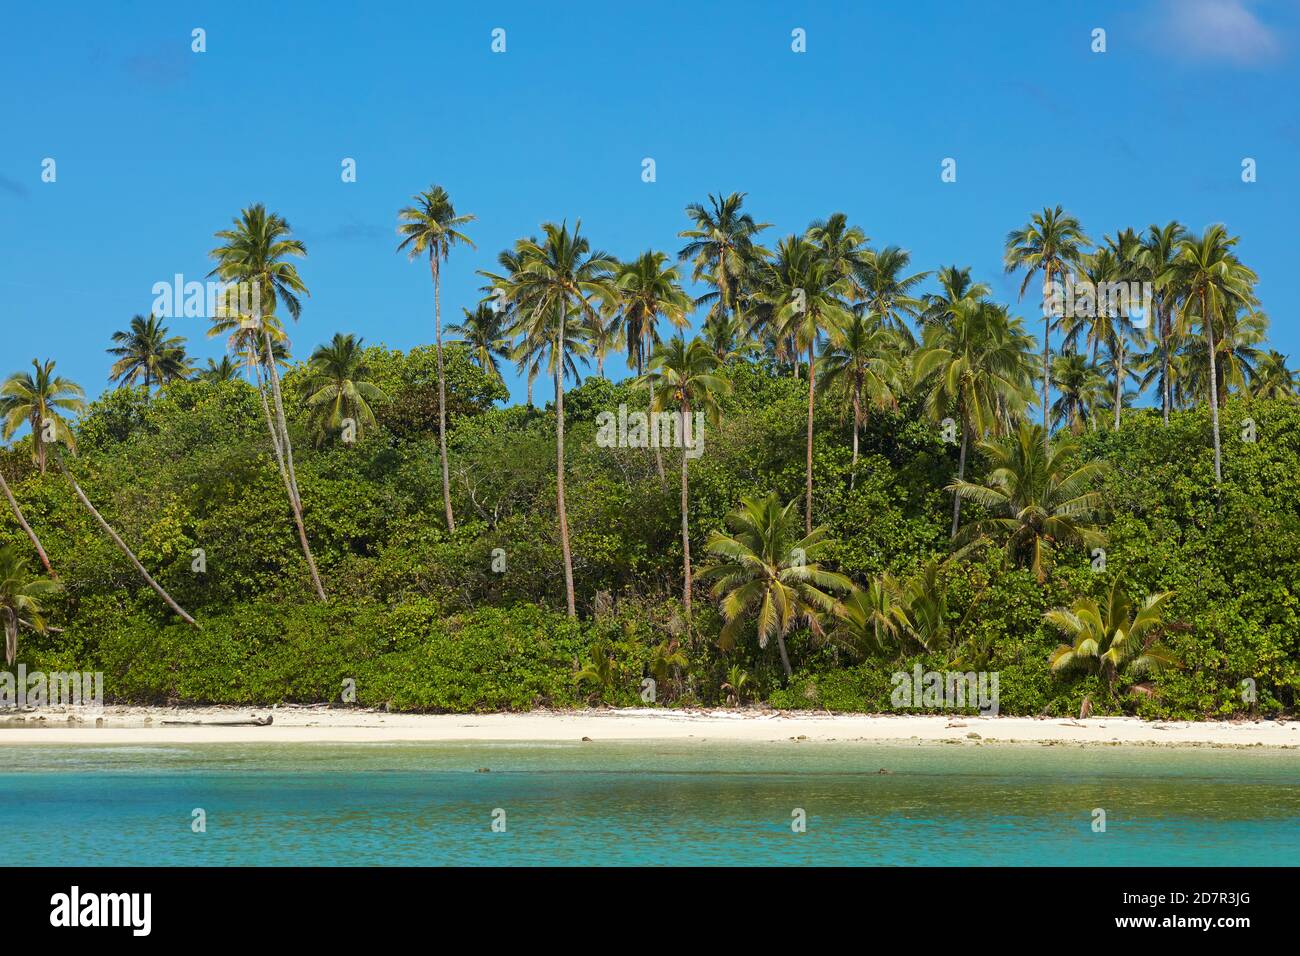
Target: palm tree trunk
(686,535)
(1119,384)
(659,454)
(38,437)
(961,474)
(1164,364)
(808,484)
(295,496)
(559,469)
(1214,393)
(117,540)
(27,529)
(1047,362)
(275,434)
(785,658)
(857,414)
(11,635)
(442,392)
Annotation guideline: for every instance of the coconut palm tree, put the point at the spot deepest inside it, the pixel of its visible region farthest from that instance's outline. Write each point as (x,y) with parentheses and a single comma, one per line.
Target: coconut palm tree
(1273,379)
(1038,499)
(483,333)
(681,377)
(1113,639)
(430,228)
(21,597)
(558,279)
(227,370)
(1211,281)
(806,293)
(1051,244)
(147,354)
(1236,338)
(256,253)
(955,285)
(722,248)
(1157,257)
(873,619)
(976,363)
(27,528)
(38,399)
(725,336)
(887,293)
(843,247)
(863,361)
(1081,390)
(649,290)
(765,569)
(337,388)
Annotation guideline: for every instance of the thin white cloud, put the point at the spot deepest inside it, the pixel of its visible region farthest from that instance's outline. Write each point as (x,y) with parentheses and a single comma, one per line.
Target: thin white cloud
(1224,30)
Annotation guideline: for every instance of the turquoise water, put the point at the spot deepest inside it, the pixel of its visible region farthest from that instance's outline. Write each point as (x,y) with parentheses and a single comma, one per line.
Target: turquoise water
(648,803)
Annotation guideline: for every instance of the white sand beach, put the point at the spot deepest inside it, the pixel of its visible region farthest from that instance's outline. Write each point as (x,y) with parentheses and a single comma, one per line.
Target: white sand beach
(323,724)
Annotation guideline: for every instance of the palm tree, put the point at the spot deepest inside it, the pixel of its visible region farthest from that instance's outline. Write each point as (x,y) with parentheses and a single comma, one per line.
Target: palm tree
(1158,257)
(226,370)
(649,290)
(1112,326)
(1111,640)
(37,399)
(886,294)
(863,360)
(1236,337)
(560,278)
(337,387)
(430,228)
(1037,498)
(976,362)
(722,249)
(1081,390)
(1272,378)
(724,335)
(27,528)
(680,377)
(256,252)
(843,247)
(764,568)
(484,334)
(20,599)
(806,293)
(1210,278)
(146,353)
(871,619)
(955,285)
(1051,243)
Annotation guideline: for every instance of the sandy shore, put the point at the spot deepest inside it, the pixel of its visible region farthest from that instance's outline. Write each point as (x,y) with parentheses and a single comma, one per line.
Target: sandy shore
(295,724)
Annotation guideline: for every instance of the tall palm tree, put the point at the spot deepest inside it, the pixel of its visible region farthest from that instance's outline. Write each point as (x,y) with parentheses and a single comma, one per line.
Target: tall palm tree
(38,399)
(558,279)
(1111,640)
(863,359)
(430,228)
(1112,324)
(147,354)
(256,252)
(1211,280)
(1272,378)
(887,293)
(1037,498)
(650,290)
(955,285)
(337,386)
(1157,257)
(977,363)
(20,599)
(1236,337)
(725,336)
(763,567)
(843,247)
(1081,390)
(1051,244)
(806,293)
(722,248)
(483,333)
(227,370)
(681,377)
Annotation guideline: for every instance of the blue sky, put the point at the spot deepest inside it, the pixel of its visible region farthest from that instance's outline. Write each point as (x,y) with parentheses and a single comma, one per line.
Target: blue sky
(158,147)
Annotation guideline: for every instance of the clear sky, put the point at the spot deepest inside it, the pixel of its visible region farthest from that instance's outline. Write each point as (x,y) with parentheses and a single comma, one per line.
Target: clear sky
(157,147)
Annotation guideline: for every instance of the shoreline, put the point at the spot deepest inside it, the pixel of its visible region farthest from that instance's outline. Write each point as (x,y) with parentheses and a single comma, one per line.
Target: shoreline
(117,725)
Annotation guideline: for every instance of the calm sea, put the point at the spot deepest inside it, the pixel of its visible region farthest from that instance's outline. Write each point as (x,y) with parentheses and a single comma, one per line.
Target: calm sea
(648,803)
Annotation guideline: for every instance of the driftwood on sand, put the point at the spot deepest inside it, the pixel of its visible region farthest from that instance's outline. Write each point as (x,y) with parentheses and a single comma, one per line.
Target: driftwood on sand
(251,722)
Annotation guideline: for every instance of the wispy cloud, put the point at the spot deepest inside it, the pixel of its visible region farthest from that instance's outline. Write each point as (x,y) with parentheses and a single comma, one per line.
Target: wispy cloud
(162,67)
(12,187)
(1218,30)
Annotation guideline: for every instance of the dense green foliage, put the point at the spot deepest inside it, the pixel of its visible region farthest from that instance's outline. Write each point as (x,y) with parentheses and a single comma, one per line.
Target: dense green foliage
(419,618)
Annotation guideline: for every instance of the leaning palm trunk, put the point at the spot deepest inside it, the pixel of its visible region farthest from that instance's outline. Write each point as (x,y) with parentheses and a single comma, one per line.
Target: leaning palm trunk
(117,540)
(27,529)
(275,434)
(812,377)
(559,472)
(291,478)
(686,531)
(1214,392)
(785,658)
(442,393)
